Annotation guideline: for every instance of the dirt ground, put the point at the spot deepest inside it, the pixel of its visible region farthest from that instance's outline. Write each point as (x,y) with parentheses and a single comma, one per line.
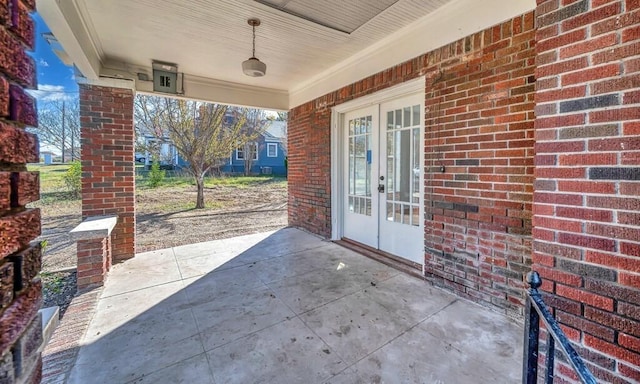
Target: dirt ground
(234,211)
(165,218)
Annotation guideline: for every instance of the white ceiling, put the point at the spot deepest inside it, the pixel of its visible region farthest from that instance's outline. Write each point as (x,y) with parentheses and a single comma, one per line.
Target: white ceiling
(345,16)
(212,38)
(209,39)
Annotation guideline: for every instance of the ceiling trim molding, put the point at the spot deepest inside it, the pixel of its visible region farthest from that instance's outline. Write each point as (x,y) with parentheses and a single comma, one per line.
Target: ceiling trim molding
(224,92)
(217,91)
(409,87)
(453,21)
(108,82)
(200,88)
(67,26)
(205,89)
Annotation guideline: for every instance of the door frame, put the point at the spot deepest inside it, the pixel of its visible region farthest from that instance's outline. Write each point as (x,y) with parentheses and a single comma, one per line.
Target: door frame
(407,88)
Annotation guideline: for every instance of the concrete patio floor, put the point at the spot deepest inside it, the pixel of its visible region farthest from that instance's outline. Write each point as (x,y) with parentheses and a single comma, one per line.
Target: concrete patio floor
(286,307)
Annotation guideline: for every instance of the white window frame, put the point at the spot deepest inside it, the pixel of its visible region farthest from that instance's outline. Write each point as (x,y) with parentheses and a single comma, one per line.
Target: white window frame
(238,152)
(272,145)
(241,150)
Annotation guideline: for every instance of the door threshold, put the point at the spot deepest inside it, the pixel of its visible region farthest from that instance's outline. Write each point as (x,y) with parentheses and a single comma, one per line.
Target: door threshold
(392,261)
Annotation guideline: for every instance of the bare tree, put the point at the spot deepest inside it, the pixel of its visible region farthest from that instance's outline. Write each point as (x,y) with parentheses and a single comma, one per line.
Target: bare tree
(203,134)
(59,127)
(255,124)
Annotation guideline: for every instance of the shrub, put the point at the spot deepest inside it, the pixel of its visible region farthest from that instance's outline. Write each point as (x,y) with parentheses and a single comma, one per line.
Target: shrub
(156,175)
(73,179)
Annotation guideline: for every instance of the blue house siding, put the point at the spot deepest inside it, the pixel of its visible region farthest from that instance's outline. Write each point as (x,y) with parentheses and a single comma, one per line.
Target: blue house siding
(273,135)
(275,163)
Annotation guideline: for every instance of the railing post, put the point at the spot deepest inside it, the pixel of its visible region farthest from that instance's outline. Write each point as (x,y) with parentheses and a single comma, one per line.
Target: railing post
(532,332)
(551,351)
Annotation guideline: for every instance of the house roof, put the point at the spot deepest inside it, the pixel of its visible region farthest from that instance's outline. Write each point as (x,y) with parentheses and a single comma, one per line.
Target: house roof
(310,47)
(276,130)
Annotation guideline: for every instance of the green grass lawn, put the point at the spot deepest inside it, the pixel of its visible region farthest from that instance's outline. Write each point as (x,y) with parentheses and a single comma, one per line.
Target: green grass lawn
(228,181)
(52,180)
(51,176)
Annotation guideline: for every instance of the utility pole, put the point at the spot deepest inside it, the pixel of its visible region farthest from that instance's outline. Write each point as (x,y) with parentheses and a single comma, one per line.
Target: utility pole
(73,141)
(63,132)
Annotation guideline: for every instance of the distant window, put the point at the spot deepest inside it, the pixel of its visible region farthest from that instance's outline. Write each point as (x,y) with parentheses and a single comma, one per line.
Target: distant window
(253,150)
(272,150)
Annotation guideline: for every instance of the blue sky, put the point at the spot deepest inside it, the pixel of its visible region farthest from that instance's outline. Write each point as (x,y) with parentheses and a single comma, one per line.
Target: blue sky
(55,80)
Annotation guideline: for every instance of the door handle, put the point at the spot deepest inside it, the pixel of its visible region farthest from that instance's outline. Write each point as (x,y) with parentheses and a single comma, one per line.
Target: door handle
(381,188)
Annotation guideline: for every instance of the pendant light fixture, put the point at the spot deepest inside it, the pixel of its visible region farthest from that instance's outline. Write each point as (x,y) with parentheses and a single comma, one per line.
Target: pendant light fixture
(252,66)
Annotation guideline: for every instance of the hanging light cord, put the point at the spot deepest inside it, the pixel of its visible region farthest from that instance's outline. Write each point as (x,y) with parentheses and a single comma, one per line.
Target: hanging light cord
(254,39)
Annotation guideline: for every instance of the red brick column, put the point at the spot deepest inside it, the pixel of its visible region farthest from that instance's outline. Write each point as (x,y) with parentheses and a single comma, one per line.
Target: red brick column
(94,261)
(108,170)
(20,258)
(587,190)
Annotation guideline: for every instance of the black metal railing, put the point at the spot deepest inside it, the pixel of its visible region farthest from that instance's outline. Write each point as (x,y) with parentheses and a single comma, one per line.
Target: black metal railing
(534,311)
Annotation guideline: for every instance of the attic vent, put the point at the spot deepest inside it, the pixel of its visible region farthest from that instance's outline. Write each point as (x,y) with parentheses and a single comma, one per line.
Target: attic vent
(343,16)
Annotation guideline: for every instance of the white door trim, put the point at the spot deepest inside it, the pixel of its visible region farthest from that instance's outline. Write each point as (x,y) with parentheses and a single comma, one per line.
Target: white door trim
(337,150)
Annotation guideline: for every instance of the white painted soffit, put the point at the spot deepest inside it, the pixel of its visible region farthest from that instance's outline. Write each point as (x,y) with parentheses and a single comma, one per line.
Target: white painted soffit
(454,20)
(451,22)
(68,27)
(63,18)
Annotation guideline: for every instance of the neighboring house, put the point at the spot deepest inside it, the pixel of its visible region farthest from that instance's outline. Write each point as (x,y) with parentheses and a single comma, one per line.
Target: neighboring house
(46,157)
(268,152)
(168,153)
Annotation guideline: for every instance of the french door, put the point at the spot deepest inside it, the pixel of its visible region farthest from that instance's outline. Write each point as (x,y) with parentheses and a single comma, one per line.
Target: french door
(383,177)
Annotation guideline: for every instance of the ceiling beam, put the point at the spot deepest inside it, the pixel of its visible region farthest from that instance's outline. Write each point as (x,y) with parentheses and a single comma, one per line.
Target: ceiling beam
(67,26)
(203,89)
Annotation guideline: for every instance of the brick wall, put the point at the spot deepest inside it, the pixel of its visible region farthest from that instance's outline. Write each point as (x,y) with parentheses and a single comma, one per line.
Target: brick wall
(108,169)
(479,126)
(587,189)
(309,168)
(20,256)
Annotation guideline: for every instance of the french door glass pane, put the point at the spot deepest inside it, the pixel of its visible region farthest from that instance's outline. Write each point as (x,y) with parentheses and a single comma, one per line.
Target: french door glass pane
(403,168)
(416,116)
(352,165)
(360,157)
(407,117)
(402,165)
(416,168)
(416,216)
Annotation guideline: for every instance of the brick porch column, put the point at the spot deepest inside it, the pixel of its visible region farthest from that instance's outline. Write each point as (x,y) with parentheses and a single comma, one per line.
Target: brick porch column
(587,190)
(108,168)
(20,256)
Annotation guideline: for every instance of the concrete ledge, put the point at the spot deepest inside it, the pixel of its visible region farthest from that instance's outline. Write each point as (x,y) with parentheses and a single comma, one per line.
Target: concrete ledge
(50,320)
(96,227)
